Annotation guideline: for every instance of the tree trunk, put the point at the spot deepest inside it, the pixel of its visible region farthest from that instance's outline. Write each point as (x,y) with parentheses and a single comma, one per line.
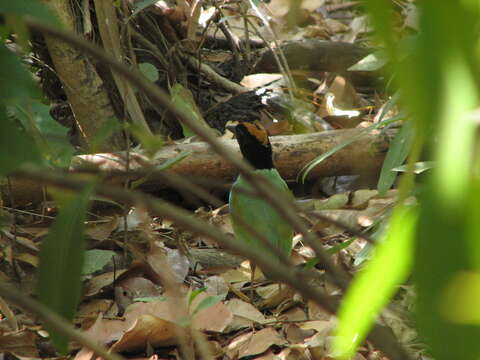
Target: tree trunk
(84,88)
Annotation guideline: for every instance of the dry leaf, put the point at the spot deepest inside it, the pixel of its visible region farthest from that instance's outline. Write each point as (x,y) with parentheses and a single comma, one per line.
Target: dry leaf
(213,318)
(254,343)
(20,343)
(147,329)
(102,231)
(97,283)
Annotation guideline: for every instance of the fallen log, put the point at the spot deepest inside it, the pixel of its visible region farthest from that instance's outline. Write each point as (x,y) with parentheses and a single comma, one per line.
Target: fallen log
(314,55)
(321,56)
(291,154)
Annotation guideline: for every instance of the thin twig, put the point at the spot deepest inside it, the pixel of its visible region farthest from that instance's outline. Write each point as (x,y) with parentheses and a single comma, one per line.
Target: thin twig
(213,76)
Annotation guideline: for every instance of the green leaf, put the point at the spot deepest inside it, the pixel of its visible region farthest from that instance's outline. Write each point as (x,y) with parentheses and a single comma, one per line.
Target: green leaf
(376,283)
(396,155)
(364,254)
(16,80)
(333,250)
(381,16)
(302,175)
(164,166)
(315,162)
(34,8)
(175,160)
(50,136)
(95,260)
(194,294)
(183,99)
(371,62)
(61,259)
(3,32)
(148,299)
(16,148)
(149,71)
(207,302)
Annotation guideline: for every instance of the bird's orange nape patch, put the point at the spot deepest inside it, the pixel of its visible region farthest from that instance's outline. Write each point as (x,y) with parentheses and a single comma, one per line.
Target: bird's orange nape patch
(257,130)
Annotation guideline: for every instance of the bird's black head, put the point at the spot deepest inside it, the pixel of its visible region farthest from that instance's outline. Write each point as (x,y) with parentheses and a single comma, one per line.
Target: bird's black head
(254,144)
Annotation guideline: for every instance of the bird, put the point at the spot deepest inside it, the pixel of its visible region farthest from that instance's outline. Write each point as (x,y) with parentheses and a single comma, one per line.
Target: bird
(248,208)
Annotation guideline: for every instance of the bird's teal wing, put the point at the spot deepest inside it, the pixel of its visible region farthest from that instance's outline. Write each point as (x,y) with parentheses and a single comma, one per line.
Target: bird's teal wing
(260,215)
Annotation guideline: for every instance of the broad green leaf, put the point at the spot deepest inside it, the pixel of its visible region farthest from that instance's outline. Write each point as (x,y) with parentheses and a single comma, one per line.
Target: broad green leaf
(33,8)
(444,252)
(472,228)
(3,32)
(458,302)
(446,248)
(456,131)
(50,136)
(149,71)
(396,155)
(61,260)
(376,283)
(16,148)
(441,91)
(95,260)
(381,16)
(47,126)
(16,81)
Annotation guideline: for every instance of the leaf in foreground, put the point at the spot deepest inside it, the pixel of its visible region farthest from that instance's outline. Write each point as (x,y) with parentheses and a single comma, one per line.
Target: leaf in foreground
(376,283)
(61,259)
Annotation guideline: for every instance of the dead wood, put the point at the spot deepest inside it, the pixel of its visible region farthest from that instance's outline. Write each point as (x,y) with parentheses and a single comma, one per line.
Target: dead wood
(320,56)
(314,55)
(291,154)
(211,259)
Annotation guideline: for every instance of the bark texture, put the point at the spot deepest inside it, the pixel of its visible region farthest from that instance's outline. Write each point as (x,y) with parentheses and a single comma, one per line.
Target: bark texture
(291,154)
(82,84)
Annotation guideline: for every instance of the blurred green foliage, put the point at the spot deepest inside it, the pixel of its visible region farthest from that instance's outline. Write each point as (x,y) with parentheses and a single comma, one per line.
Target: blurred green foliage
(30,137)
(61,260)
(439,86)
